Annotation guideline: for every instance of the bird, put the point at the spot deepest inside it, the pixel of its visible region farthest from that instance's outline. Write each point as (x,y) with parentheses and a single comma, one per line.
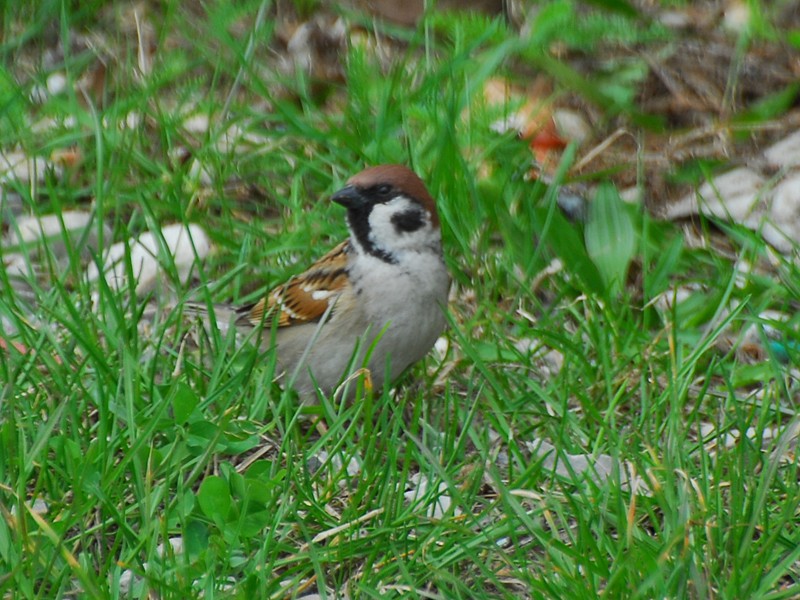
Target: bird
(376,300)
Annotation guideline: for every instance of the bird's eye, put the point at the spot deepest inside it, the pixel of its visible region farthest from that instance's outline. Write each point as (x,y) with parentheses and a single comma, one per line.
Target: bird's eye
(384,189)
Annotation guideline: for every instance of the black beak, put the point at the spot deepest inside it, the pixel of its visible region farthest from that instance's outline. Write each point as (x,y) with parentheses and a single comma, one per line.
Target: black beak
(350,197)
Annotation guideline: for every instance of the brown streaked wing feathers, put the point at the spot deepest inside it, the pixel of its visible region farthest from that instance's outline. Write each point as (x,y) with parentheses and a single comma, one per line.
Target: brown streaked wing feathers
(294,302)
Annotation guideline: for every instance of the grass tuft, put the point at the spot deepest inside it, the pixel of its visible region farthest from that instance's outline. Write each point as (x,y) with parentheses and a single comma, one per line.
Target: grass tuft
(590,424)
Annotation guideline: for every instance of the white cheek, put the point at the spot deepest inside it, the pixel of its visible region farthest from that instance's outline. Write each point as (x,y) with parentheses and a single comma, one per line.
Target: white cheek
(382,230)
(385,235)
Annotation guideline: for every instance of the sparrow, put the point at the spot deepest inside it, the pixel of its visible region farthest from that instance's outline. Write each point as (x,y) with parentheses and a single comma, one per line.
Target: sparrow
(376,298)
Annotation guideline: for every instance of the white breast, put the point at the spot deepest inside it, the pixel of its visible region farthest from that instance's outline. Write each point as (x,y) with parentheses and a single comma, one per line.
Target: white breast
(409,299)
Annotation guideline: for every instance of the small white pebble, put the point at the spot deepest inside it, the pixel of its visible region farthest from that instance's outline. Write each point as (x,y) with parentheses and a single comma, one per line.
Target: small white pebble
(185,244)
(733,196)
(18,166)
(31,229)
(515,122)
(784,153)
(675,19)
(572,125)
(631,195)
(782,231)
(441,346)
(176,546)
(736,17)
(420,486)
(56,83)
(39,507)
(197,123)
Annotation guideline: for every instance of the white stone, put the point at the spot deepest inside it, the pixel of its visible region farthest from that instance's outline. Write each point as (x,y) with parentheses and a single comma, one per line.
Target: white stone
(56,83)
(734,196)
(572,125)
(185,245)
(784,153)
(785,215)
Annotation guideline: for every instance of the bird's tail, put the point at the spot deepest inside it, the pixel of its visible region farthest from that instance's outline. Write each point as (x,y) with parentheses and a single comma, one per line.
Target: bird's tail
(222,317)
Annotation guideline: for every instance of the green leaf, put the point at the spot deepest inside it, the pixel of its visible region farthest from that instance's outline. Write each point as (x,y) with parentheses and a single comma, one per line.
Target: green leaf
(610,237)
(236,443)
(184,402)
(254,523)
(195,539)
(567,244)
(12,103)
(259,485)
(666,264)
(260,492)
(755,374)
(618,6)
(186,504)
(214,498)
(771,106)
(492,352)
(202,433)
(260,469)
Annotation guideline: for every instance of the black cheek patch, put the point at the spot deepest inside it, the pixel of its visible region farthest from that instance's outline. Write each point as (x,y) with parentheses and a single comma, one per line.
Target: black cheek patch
(408,221)
(359,225)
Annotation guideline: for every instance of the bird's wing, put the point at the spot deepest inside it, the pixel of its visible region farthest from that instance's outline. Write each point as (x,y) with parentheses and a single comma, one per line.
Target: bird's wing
(303,298)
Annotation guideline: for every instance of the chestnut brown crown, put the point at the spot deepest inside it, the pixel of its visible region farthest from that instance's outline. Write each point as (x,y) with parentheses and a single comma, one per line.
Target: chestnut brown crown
(402,179)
